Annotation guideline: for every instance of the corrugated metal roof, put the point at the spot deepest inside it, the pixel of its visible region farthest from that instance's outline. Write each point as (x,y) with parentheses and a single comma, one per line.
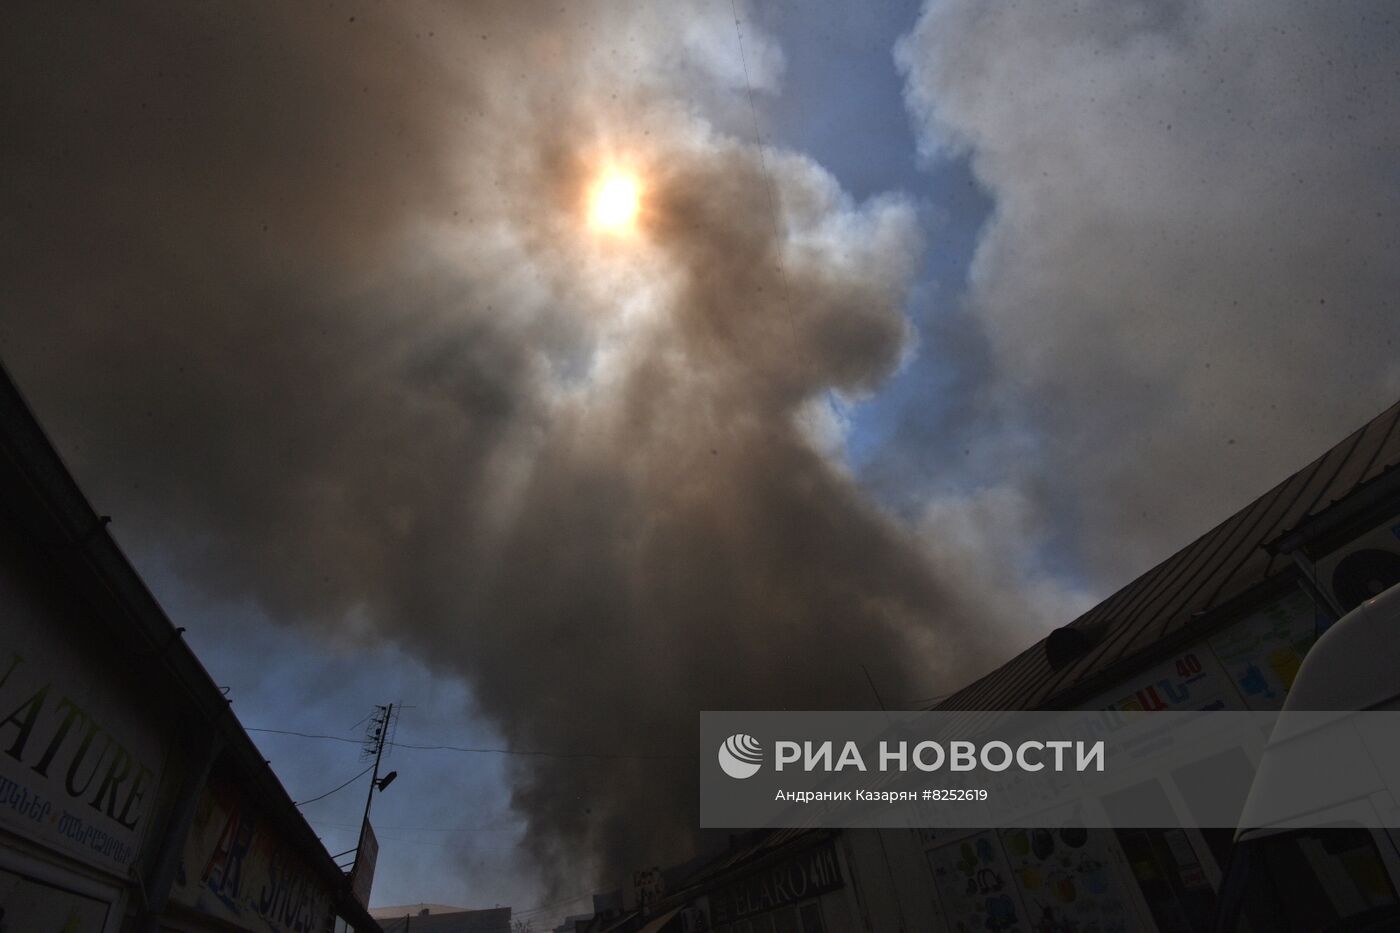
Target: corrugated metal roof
(1222,565)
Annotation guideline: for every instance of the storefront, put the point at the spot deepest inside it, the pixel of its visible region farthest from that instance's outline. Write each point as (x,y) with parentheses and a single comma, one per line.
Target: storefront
(798,892)
(1126,880)
(86,781)
(130,797)
(1225,623)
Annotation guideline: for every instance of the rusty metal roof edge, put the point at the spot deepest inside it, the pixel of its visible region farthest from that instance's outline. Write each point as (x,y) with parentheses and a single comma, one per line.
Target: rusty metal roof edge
(1202,625)
(1363,499)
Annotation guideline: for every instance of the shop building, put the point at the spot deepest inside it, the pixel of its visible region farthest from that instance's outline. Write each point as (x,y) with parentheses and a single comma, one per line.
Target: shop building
(1224,623)
(130,797)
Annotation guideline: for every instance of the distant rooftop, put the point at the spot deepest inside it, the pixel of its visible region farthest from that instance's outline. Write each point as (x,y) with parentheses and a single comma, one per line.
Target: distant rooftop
(413,910)
(442,918)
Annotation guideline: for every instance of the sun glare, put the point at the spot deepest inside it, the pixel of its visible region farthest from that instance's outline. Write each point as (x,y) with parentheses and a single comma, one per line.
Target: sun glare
(616,200)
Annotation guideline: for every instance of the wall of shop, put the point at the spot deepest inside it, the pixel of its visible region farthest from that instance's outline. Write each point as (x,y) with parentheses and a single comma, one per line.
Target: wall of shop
(1027,881)
(1019,881)
(99,777)
(87,773)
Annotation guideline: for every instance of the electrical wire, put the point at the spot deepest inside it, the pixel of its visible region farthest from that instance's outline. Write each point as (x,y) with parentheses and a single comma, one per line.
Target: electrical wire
(486,750)
(307,735)
(541,907)
(421,829)
(481,750)
(301,803)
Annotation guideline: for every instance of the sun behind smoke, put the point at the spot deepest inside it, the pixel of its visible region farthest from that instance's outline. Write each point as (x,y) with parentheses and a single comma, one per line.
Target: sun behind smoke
(616,200)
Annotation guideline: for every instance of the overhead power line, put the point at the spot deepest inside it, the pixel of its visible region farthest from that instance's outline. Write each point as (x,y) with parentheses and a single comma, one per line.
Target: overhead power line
(300,803)
(488,750)
(542,907)
(421,829)
(306,735)
(482,750)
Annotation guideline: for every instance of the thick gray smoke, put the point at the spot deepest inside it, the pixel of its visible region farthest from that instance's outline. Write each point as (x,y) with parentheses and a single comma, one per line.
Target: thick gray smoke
(1189,279)
(310,300)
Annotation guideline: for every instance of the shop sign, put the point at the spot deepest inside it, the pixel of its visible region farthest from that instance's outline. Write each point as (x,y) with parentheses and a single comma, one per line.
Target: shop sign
(236,867)
(79,766)
(362,877)
(799,878)
(1188,681)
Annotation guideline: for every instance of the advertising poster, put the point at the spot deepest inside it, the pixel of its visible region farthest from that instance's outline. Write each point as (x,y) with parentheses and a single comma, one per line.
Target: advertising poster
(236,868)
(976,887)
(1066,880)
(1263,652)
(1191,680)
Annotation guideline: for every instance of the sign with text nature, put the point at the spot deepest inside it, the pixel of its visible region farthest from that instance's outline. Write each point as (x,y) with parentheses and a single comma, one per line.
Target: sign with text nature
(79,764)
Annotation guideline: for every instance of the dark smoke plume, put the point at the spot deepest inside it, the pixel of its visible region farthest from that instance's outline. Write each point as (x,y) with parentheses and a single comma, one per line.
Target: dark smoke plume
(308,298)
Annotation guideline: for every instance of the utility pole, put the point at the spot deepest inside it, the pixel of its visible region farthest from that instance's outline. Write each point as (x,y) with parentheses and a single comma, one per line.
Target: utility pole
(381,734)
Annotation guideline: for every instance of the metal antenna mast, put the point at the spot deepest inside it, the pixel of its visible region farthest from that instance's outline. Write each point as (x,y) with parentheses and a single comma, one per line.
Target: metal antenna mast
(378,737)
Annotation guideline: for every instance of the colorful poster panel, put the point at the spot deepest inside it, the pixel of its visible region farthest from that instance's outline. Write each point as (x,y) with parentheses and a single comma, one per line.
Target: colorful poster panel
(975,886)
(1067,880)
(1262,653)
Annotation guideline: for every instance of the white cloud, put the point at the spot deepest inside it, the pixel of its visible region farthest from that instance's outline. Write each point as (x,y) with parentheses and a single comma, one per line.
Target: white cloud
(1189,278)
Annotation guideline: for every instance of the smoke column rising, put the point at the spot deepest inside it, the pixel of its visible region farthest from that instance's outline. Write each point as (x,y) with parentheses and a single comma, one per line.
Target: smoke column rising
(308,299)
